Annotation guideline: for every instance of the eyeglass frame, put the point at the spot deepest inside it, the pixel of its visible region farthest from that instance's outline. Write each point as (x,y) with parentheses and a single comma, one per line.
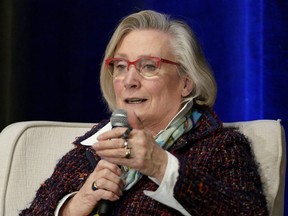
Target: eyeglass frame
(129,63)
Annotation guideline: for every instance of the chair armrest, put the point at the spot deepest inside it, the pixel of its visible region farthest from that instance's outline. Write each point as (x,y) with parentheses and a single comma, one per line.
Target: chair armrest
(29,152)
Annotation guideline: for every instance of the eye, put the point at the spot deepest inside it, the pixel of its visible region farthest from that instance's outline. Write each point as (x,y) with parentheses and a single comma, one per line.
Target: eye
(120,65)
(148,65)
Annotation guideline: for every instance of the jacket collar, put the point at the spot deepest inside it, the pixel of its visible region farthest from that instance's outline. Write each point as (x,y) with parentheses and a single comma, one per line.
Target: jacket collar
(206,125)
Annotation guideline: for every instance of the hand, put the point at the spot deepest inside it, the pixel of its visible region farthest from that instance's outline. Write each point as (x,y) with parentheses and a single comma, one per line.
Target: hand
(146,155)
(106,176)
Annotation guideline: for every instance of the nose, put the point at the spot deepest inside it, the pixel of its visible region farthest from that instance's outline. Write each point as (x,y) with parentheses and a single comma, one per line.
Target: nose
(132,78)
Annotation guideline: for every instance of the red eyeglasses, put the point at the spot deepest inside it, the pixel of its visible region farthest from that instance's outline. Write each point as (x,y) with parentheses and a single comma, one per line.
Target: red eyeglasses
(146,66)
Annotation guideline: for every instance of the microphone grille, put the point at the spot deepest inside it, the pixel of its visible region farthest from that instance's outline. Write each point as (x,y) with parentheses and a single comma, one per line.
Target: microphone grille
(119,118)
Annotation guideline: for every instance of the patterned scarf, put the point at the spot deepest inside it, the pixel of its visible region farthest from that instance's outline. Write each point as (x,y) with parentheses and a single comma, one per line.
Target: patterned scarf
(166,139)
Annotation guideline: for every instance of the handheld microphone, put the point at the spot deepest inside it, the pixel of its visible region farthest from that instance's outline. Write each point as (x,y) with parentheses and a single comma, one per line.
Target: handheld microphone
(118,118)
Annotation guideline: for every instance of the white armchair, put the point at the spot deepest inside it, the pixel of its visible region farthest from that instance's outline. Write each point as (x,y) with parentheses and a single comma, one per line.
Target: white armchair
(30,150)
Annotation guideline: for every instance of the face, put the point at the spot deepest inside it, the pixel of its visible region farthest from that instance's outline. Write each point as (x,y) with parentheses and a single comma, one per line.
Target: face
(157,99)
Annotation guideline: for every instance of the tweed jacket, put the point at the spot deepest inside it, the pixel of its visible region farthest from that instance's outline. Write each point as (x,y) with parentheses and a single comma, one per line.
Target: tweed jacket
(217,176)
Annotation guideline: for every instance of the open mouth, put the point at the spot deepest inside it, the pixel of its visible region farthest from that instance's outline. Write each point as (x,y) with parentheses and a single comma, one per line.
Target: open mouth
(134,100)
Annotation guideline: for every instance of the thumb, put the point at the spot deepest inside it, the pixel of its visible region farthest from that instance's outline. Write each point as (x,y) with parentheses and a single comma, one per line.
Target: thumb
(134,120)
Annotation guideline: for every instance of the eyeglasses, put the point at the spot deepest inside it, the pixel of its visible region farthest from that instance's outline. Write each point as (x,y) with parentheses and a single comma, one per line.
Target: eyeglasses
(146,66)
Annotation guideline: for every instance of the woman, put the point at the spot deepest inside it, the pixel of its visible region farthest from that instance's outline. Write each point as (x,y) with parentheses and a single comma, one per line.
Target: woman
(179,159)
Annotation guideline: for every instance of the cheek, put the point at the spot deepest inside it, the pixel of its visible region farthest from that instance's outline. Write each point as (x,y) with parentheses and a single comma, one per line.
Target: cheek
(164,93)
(172,86)
(154,87)
(118,86)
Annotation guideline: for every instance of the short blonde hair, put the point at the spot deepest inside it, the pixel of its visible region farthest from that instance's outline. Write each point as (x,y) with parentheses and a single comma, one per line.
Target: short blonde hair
(184,46)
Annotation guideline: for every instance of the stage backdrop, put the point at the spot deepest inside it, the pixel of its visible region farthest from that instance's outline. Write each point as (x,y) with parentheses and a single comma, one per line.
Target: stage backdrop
(51,51)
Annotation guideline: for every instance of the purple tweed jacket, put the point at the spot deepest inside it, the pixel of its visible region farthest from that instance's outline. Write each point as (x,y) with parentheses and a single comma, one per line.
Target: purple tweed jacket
(217,176)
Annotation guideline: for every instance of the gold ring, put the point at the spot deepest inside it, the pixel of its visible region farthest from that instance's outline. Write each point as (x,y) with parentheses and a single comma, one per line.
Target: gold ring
(94,186)
(128,153)
(125,144)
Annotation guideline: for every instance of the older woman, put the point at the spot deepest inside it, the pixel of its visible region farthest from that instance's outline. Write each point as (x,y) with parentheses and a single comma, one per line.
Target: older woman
(179,159)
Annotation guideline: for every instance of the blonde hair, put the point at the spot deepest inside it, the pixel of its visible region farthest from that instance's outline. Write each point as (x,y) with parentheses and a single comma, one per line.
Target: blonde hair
(184,46)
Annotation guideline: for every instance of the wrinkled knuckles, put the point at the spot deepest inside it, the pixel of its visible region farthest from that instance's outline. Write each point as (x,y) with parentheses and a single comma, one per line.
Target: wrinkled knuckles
(101,163)
(110,196)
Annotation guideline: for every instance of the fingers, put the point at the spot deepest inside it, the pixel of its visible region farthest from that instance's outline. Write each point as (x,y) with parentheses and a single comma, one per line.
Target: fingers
(108,177)
(106,195)
(108,144)
(116,149)
(103,183)
(116,146)
(112,134)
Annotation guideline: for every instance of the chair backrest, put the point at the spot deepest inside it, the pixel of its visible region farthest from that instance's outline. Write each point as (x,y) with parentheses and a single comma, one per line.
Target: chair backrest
(267,138)
(30,150)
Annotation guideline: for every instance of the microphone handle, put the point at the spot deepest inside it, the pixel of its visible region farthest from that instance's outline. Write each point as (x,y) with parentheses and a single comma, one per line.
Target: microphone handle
(105,207)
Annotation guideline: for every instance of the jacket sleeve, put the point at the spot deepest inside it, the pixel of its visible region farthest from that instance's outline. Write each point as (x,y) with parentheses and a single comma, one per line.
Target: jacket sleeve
(222,179)
(69,175)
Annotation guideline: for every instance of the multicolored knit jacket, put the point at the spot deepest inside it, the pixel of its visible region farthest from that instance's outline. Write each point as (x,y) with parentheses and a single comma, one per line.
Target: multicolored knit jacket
(217,176)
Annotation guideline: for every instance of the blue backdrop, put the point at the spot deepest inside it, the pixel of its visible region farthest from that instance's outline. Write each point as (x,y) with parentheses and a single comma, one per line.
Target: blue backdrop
(57,47)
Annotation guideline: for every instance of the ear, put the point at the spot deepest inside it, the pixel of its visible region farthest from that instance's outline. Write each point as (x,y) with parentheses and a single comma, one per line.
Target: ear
(187,87)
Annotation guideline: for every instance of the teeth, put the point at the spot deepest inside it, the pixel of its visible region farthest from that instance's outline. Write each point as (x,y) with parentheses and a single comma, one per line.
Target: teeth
(134,100)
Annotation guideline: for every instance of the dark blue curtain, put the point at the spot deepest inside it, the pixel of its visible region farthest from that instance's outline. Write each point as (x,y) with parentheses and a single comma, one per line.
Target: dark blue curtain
(53,49)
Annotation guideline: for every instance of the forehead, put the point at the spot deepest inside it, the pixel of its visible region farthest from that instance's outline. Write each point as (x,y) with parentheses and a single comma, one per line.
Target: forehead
(144,42)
